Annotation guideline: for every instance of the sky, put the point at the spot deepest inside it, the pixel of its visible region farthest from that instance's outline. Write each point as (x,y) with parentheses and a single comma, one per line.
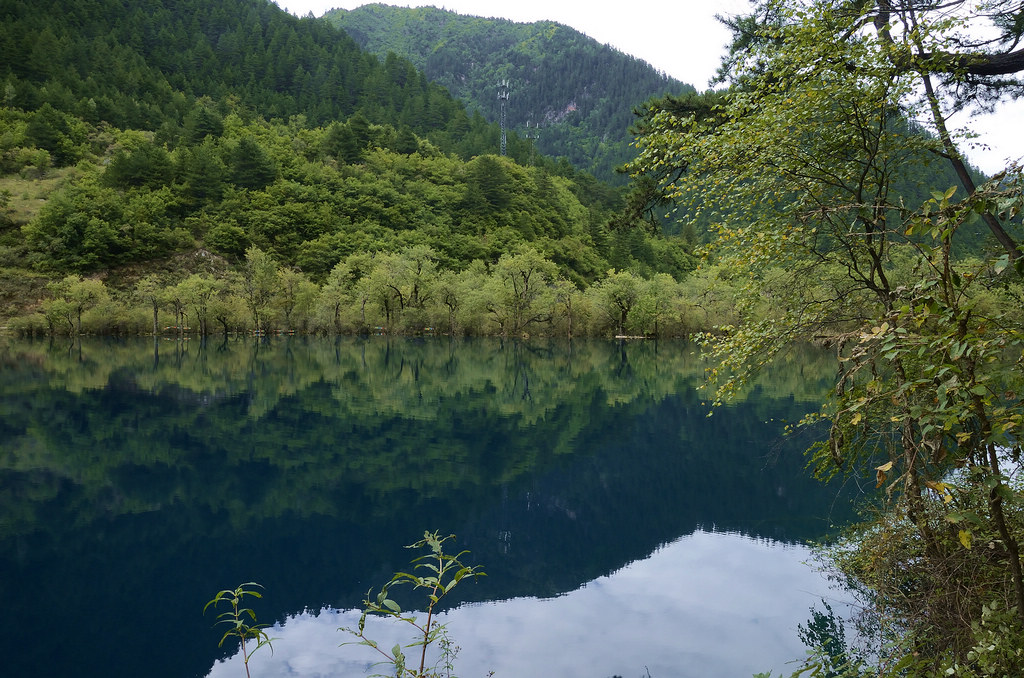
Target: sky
(680,38)
(683,39)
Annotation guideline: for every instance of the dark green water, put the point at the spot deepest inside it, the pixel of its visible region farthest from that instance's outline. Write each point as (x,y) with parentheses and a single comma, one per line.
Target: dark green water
(137,478)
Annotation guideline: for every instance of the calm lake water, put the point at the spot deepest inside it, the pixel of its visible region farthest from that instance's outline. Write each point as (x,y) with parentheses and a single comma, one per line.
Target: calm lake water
(623,531)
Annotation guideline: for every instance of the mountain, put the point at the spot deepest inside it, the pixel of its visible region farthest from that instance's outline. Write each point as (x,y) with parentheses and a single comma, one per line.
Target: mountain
(153,134)
(142,64)
(579,92)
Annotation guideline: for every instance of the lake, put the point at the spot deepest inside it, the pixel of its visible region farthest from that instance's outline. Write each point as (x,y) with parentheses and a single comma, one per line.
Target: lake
(624,532)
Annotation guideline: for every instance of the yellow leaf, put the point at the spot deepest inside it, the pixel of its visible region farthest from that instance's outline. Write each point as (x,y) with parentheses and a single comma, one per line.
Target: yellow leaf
(942,489)
(880,476)
(856,419)
(965,538)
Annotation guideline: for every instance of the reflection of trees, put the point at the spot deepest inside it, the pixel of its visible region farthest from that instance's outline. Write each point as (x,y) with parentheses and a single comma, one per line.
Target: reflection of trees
(306,464)
(328,412)
(340,411)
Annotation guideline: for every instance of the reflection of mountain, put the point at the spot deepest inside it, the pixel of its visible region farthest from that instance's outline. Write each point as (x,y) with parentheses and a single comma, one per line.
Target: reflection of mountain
(134,487)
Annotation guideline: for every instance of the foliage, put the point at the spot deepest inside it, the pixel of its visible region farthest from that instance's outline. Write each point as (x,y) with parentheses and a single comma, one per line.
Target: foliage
(616,297)
(259,285)
(144,66)
(238,619)
(571,96)
(800,168)
(72,297)
(189,155)
(310,212)
(403,292)
(437,573)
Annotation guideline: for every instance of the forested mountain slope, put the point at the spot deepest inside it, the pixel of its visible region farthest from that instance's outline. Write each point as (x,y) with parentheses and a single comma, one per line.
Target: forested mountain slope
(137,134)
(580,92)
(141,64)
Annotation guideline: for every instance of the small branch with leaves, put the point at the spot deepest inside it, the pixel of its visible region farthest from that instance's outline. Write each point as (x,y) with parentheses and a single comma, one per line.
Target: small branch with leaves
(238,619)
(438,573)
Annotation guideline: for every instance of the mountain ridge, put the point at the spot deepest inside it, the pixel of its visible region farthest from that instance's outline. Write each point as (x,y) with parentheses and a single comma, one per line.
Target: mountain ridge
(581,92)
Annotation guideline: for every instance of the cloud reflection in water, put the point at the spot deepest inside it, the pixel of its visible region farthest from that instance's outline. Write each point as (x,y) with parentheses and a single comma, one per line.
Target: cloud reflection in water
(709,604)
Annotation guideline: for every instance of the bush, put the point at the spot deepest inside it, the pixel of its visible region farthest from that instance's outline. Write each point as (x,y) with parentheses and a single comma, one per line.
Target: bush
(33,325)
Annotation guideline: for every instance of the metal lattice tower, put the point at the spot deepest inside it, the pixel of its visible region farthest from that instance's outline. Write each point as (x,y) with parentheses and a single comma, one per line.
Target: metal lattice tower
(532,133)
(503,97)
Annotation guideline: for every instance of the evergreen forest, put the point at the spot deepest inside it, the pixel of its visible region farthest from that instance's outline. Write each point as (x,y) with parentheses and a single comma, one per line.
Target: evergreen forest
(570,93)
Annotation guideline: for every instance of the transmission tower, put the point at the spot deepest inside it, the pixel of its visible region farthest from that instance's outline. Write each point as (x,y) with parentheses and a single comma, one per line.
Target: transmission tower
(503,98)
(532,133)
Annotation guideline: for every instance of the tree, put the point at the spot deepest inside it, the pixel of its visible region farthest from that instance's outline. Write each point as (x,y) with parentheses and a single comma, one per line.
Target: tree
(932,376)
(145,165)
(203,121)
(799,167)
(380,287)
(228,307)
(657,302)
(150,291)
(78,295)
(198,291)
(259,286)
(175,297)
(616,296)
(406,142)
(924,40)
(942,46)
(251,166)
(570,305)
(420,269)
(337,293)
(48,129)
(450,294)
(488,187)
(521,291)
(201,172)
(295,294)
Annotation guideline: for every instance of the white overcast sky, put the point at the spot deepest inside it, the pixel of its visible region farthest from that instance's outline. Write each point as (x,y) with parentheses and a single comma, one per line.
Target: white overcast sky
(681,38)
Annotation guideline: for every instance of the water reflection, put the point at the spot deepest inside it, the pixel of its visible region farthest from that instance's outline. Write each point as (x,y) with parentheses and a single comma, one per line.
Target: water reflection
(142,480)
(709,604)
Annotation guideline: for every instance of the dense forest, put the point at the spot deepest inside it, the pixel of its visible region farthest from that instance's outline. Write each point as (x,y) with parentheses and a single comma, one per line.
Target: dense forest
(131,139)
(575,95)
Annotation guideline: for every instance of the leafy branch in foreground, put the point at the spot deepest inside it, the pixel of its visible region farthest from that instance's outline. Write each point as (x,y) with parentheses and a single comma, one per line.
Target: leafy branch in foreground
(437,572)
(235,619)
(809,173)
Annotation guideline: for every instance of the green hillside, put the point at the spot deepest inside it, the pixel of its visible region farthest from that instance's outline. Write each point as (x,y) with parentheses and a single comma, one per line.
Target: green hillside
(581,93)
(162,140)
(225,164)
(142,65)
